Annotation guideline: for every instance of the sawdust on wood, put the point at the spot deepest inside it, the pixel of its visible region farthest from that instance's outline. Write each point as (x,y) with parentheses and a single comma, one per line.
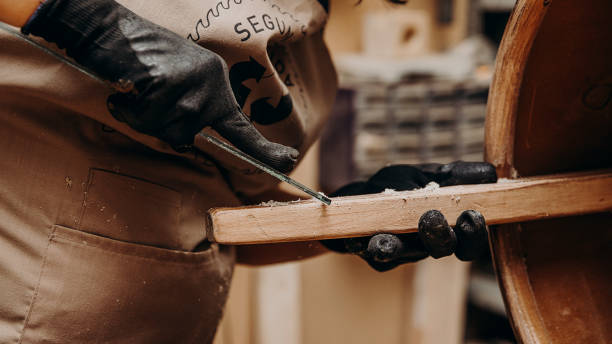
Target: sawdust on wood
(390,192)
(431,186)
(273,203)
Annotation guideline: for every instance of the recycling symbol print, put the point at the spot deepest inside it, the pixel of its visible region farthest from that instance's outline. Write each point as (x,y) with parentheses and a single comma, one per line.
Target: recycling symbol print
(262,112)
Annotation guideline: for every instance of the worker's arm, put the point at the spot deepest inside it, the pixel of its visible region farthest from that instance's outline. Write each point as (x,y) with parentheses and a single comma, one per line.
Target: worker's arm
(188,91)
(277,253)
(16,13)
(167,86)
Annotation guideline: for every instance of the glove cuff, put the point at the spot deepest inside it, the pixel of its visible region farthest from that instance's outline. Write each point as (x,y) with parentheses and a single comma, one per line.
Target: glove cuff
(60,21)
(81,27)
(42,7)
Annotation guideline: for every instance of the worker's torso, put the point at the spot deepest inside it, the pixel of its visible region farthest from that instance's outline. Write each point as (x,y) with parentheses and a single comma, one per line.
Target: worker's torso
(102,235)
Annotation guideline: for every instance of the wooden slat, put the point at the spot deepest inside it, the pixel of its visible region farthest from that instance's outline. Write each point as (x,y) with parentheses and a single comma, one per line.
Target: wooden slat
(507,201)
(510,63)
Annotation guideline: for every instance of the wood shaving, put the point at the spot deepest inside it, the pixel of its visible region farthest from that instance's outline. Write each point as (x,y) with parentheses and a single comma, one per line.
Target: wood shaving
(273,203)
(390,192)
(431,186)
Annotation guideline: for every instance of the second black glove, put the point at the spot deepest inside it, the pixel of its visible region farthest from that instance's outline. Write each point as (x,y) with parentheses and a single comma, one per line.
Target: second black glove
(435,237)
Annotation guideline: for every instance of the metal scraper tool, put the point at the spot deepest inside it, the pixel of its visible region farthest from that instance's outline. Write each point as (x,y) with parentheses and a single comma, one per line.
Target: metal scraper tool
(235,152)
(269,170)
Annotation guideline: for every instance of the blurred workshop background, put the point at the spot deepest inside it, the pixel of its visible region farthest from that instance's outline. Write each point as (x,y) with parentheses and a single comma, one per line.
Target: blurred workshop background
(414,81)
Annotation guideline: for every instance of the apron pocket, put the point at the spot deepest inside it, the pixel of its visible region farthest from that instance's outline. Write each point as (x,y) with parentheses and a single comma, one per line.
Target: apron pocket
(130,209)
(98,290)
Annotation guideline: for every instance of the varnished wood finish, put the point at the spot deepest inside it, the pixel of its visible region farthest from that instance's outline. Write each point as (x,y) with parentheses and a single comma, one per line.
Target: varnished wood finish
(398,212)
(550,110)
(512,57)
(564,115)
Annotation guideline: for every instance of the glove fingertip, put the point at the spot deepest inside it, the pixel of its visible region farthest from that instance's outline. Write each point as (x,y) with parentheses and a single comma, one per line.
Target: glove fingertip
(472,235)
(462,172)
(435,233)
(281,158)
(237,129)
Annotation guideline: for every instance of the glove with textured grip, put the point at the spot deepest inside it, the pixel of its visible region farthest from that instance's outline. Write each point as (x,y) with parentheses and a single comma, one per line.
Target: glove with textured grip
(435,237)
(169,87)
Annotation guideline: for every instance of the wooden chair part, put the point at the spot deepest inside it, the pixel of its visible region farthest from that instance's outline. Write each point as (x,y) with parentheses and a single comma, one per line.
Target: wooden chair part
(550,111)
(507,201)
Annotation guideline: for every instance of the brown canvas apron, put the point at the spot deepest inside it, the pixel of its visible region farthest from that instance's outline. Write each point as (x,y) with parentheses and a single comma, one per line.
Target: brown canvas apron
(102,235)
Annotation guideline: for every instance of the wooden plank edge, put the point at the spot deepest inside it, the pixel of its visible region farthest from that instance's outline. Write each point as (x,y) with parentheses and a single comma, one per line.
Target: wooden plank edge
(506,201)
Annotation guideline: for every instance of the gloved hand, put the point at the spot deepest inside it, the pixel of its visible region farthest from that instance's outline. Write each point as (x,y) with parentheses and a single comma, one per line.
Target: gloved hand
(435,237)
(169,87)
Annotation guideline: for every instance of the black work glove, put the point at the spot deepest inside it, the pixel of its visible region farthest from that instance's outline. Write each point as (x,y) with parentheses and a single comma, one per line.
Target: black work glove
(435,237)
(169,87)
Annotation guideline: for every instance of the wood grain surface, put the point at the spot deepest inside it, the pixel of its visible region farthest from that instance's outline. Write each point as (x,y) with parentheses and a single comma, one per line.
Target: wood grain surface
(507,201)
